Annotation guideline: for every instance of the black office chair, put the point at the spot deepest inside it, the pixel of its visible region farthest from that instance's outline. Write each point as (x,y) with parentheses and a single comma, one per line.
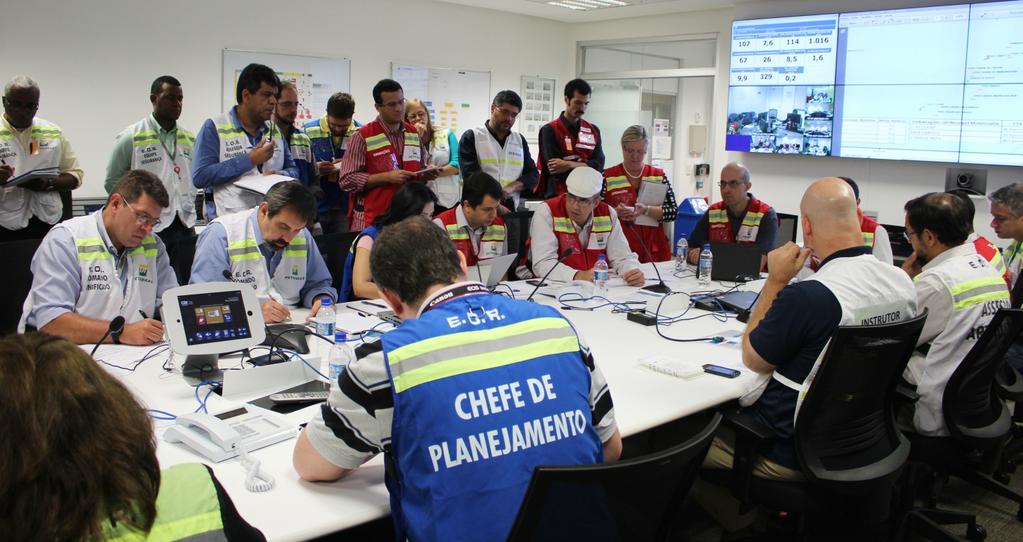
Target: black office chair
(517,226)
(17,281)
(1010,388)
(181,253)
(978,422)
(847,442)
(334,248)
(632,500)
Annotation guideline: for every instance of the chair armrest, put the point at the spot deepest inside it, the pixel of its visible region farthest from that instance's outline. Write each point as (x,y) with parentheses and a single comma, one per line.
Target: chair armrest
(752,438)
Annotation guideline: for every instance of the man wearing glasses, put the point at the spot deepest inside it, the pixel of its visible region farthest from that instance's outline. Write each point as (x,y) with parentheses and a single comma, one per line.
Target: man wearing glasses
(580,223)
(489,149)
(738,218)
(93,268)
(382,156)
(27,142)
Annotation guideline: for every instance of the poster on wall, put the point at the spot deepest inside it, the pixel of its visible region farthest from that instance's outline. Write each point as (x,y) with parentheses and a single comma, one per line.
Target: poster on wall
(537,106)
(455,99)
(315,78)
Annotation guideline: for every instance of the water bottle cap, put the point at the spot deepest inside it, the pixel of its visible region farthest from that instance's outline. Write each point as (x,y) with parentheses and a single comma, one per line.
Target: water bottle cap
(340,336)
(600,257)
(326,302)
(706,246)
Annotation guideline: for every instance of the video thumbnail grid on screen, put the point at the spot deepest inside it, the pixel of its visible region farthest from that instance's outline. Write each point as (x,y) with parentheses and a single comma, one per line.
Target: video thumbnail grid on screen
(934,84)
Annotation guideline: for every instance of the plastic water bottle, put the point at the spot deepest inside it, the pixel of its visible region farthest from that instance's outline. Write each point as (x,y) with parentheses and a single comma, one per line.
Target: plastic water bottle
(706,262)
(325,318)
(600,276)
(681,251)
(340,355)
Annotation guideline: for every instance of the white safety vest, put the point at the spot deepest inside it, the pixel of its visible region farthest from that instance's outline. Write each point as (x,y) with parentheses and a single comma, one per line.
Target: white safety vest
(504,164)
(977,292)
(18,205)
(447,189)
(869,291)
(101,296)
(148,153)
(248,265)
(235,142)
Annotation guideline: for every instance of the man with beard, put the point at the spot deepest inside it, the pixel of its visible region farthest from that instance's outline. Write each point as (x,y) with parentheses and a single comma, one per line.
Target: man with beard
(568,141)
(161,146)
(241,142)
(489,149)
(271,250)
(297,140)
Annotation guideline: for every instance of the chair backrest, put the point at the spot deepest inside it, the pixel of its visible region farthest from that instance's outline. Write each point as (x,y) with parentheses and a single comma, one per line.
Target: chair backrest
(17,281)
(632,500)
(846,436)
(181,253)
(334,248)
(517,225)
(972,409)
(787,228)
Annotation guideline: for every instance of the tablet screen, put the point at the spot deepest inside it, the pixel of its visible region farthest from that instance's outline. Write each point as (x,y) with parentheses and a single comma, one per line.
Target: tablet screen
(214,317)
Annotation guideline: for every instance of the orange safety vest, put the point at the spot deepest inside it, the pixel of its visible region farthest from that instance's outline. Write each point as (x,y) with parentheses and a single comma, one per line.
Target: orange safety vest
(720,231)
(490,244)
(564,230)
(581,146)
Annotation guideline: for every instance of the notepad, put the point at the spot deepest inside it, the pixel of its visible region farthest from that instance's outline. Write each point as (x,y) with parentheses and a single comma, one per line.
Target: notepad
(672,366)
(261,184)
(651,194)
(39,173)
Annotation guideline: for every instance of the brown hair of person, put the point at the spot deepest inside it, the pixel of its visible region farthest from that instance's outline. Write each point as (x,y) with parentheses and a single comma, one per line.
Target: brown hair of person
(77,449)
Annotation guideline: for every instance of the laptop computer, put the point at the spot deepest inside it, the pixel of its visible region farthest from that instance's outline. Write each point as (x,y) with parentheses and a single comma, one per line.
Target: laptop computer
(738,301)
(734,262)
(490,271)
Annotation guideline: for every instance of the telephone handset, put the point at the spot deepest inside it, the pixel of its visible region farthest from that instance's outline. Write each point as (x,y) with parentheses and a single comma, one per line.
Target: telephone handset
(219,436)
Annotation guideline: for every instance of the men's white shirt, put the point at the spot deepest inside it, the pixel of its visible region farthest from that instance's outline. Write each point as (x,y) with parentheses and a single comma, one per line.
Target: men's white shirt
(883,246)
(544,246)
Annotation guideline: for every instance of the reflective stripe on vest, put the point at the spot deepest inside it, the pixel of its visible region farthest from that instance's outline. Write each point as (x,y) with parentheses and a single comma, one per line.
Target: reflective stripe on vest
(187,508)
(249,267)
(149,153)
(563,225)
(618,183)
(18,204)
(601,223)
(457,233)
(971,292)
(494,232)
(868,239)
(459,353)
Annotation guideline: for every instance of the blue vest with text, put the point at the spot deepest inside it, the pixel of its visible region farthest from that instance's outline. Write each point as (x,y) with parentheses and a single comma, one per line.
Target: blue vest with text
(485,389)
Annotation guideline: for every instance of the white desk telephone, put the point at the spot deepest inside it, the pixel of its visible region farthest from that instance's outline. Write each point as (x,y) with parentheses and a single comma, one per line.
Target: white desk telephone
(220,436)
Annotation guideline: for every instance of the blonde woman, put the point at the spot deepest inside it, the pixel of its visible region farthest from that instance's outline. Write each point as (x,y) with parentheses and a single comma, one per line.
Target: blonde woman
(621,189)
(441,146)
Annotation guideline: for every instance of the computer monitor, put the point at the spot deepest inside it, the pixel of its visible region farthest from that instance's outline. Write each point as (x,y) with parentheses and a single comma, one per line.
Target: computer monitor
(206,320)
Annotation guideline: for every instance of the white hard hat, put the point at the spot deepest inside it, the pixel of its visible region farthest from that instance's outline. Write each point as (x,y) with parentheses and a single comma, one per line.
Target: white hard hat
(584,182)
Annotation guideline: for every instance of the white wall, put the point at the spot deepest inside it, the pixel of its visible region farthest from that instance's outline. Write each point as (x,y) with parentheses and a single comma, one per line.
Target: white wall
(95,61)
(780,180)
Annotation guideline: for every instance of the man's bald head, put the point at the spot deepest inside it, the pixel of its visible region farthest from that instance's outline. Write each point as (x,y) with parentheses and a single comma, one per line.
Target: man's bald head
(830,203)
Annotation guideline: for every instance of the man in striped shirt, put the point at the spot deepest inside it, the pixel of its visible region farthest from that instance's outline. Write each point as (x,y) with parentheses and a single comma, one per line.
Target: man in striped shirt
(466,398)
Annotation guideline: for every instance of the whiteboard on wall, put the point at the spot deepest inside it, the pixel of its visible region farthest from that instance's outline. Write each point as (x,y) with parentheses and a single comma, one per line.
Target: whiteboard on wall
(456,99)
(315,78)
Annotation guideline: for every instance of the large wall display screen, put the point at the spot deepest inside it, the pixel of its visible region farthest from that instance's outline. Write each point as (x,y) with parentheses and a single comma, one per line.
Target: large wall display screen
(938,84)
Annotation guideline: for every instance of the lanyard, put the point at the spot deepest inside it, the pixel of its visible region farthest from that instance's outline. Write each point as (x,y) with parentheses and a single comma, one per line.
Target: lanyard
(472,288)
(172,153)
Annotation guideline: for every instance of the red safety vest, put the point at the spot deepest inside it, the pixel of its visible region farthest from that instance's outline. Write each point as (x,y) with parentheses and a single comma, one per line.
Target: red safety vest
(720,231)
(382,157)
(490,244)
(564,230)
(619,190)
(581,146)
(868,226)
(990,253)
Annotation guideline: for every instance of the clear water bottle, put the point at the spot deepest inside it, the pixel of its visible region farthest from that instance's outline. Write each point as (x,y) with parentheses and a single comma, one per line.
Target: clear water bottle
(340,355)
(600,276)
(706,262)
(325,318)
(681,251)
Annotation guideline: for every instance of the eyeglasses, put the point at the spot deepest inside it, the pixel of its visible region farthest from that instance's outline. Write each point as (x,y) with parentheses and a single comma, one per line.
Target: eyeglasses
(907,234)
(394,104)
(731,184)
(507,113)
(143,219)
(416,116)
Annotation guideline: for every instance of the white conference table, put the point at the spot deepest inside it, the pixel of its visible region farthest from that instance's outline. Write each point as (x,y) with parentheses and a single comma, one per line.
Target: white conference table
(643,399)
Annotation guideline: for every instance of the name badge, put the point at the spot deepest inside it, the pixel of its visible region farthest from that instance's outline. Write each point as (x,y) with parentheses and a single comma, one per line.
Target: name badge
(489,249)
(598,241)
(586,138)
(747,233)
(410,154)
